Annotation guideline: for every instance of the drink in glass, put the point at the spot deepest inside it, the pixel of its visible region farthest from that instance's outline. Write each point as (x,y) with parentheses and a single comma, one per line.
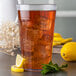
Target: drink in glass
(36,34)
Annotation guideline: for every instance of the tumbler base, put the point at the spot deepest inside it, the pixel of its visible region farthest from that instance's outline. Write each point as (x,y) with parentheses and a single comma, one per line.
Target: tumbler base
(33,70)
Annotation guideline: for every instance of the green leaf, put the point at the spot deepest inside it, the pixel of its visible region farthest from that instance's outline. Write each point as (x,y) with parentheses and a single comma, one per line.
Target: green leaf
(64,66)
(50,63)
(51,68)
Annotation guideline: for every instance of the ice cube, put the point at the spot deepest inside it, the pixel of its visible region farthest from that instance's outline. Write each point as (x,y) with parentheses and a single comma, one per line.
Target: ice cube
(28,45)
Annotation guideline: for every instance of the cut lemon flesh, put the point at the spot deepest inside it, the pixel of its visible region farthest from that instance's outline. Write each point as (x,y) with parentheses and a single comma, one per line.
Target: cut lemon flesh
(19,61)
(15,69)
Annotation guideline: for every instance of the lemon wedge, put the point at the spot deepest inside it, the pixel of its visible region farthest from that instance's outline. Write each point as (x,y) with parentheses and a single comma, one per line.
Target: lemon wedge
(15,69)
(19,61)
(56,43)
(58,39)
(66,40)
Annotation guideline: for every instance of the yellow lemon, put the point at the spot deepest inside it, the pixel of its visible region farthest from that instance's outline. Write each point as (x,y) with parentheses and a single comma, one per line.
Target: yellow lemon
(15,69)
(56,43)
(57,35)
(66,40)
(68,51)
(20,61)
(57,39)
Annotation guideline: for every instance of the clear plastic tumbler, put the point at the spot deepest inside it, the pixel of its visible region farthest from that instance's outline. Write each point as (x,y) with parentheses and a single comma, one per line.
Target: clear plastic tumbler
(36,34)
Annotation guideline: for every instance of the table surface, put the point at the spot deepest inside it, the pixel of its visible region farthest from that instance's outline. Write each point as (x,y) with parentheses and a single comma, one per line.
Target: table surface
(6,62)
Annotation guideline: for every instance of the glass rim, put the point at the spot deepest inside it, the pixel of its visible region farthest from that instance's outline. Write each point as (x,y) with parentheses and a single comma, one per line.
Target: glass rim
(36,7)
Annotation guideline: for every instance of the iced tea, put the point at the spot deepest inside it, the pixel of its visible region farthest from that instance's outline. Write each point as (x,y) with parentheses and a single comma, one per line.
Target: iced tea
(36,37)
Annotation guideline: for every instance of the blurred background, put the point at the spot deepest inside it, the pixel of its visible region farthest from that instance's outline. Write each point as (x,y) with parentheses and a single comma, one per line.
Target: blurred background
(66,18)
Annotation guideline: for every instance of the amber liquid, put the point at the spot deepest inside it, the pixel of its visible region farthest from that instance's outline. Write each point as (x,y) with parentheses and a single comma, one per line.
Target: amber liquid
(36,37)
